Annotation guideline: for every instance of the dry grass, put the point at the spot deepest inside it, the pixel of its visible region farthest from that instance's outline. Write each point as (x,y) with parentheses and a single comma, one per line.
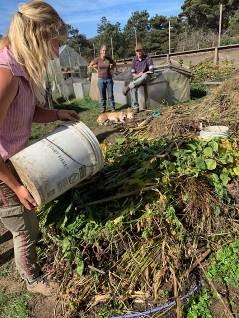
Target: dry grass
(220,108)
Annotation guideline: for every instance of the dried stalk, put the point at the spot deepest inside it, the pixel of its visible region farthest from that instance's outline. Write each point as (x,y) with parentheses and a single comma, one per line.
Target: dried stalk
(116,197)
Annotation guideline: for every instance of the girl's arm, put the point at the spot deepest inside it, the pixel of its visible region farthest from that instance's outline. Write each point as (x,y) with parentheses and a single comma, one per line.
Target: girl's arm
(8,91)
(43,115)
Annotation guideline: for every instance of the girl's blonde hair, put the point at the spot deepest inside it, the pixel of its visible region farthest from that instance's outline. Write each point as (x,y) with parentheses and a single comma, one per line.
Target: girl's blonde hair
(29,36)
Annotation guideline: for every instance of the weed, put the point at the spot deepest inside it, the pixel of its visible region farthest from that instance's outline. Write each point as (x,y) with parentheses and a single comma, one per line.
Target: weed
(107,310)
(223,269)
(5,270)
(13,306)
(207,70)
(224,266)
(199,307)
(198,90)
(3,299)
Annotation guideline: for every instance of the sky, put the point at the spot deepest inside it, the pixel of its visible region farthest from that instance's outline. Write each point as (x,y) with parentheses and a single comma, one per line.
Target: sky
(86,14)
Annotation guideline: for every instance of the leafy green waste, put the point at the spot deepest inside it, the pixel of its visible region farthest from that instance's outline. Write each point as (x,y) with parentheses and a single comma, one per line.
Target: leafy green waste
(132,243)
(225,267)
(199,306)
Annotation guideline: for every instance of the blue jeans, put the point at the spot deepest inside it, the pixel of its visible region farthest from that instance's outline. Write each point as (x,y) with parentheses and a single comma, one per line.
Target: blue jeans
(106,84)
(143,79)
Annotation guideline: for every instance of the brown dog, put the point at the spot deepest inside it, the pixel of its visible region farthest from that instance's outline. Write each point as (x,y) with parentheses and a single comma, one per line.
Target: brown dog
(129,114)
(114,117)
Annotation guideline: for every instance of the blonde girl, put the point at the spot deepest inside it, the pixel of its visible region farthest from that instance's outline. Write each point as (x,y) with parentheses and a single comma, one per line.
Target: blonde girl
(33,38)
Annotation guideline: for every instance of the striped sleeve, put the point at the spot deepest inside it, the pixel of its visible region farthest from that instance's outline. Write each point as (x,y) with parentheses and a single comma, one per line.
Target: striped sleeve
(5,66)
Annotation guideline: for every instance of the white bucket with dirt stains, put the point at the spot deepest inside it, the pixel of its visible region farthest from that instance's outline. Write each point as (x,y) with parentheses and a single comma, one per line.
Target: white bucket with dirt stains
(56,163)
(214,131)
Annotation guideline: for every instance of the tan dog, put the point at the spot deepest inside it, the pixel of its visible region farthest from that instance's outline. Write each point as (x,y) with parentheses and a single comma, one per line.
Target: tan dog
(114,117)
(129,114)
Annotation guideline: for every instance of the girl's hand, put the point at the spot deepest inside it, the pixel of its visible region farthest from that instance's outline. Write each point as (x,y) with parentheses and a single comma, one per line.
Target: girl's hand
(64,114)
(25,197)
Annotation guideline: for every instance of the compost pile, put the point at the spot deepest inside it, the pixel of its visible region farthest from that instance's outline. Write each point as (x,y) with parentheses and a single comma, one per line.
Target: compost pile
(219,108)
(135,235)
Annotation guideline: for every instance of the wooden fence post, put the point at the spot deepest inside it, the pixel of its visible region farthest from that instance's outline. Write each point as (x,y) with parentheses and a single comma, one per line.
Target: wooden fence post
(216,56)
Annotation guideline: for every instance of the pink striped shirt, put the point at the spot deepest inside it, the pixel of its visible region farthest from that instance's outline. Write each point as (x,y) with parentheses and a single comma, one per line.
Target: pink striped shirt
(16,127)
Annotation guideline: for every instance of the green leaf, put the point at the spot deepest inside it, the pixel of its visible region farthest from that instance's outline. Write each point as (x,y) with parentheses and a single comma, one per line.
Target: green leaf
(66,244)
(192,146)
(200,164)
(80,266)
(136,182)
(120,140)
(214,145)
(139,173)
(224,178)
(236,170)
(208,152)
(118,220)
(226,158)
(65,220)
(217,210)
(186,197)
(211,164)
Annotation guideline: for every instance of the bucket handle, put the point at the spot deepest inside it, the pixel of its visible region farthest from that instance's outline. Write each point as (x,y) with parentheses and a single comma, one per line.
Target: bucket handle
(76,161)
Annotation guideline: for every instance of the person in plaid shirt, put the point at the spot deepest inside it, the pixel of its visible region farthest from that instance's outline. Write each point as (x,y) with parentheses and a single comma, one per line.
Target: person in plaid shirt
(141,70)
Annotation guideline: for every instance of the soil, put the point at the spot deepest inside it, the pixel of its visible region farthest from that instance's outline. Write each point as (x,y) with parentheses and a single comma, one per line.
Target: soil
(230,297)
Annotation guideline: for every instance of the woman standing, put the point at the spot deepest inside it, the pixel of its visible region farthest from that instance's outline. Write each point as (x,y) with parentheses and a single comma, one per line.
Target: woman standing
(103,65)
(33,39)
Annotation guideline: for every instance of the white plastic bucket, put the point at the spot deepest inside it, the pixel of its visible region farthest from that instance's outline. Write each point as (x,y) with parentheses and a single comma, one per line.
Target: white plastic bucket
(56,163)
(214,131)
